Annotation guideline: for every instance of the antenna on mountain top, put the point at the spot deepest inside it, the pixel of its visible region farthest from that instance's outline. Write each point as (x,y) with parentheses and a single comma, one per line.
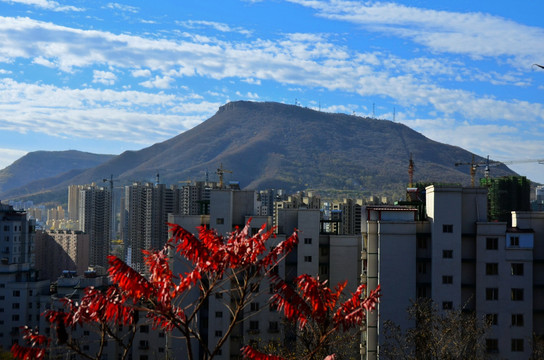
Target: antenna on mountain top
(394,113)
(373,110)
(319,105)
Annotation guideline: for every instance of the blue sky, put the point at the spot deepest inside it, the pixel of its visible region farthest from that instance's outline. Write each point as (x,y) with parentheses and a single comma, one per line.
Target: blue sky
(106,77)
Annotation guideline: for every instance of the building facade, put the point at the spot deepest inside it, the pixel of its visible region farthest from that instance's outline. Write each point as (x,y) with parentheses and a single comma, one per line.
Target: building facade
(460,260)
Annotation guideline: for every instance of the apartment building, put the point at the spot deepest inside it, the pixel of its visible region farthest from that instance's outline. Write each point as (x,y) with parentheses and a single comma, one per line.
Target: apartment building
(59,250)
(459,259)
(335,258)
(20,287)
(95,220)
(146,209)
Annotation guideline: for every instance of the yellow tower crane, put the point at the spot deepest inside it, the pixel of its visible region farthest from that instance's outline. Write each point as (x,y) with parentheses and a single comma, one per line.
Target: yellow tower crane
(220,171)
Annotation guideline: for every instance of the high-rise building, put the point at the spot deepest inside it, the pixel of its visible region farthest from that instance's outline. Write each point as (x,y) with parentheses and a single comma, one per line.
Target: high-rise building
(95,220)
(59,250)
(460,260)
(20,287)
(335,258)
(145,215)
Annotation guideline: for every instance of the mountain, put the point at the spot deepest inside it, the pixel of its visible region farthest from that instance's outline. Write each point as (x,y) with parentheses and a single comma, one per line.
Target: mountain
(40,165)
(273,145)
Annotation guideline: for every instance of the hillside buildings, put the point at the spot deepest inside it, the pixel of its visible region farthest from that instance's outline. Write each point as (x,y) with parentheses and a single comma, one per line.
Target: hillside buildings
(459,259)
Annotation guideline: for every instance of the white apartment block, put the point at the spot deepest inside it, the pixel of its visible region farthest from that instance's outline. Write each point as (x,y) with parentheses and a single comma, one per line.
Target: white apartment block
(459,259)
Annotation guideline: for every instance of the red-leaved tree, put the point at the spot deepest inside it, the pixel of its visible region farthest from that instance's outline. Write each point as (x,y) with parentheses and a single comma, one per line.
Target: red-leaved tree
(232,266)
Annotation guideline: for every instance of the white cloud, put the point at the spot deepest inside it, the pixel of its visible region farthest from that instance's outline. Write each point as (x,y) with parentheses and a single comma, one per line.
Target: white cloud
(295,61)
(158,82)
(474,34)
(44,62)
(8,156)
(45,4)
(4,72)
(104,77)
(248,95)
(122,7)
(90,113)
(141,73)
(222,27)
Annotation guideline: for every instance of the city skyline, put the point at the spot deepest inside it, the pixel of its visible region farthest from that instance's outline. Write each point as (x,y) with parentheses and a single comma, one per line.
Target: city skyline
(107,77)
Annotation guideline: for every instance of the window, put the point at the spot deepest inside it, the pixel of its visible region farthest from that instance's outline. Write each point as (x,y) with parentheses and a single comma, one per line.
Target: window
(514,241)
(422,243)
(517,294)
(447,305)
(6,227)
(218,333)
(220,221)
(307,259)
(517,319)
(218,314)
(421,268)
(421,292)
(253,325)
(144,329)
(218,295)
(492,319)
(447,279)
(491,268)
(254,306)
(143,345)
(517,345)
(517,269)
(492,294)
(273,326)
(447,228)
(323,269)
(323,250)
(15,305)
(491,345)
(15,317)
(16,293)
(492,243)
(307,241)
(447,254)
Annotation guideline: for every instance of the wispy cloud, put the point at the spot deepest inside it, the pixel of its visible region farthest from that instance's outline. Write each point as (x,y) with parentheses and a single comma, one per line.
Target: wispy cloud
(222,27)
(45,4)
(122,7)
(90,113)
(473,34)
(309,61)
(8,156)
(104,77)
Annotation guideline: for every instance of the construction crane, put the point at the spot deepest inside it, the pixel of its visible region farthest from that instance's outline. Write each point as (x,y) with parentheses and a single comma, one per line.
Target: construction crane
(221,172)
(474,165)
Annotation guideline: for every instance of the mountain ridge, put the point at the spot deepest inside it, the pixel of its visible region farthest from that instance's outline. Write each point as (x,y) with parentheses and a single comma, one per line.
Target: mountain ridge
(274,145)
